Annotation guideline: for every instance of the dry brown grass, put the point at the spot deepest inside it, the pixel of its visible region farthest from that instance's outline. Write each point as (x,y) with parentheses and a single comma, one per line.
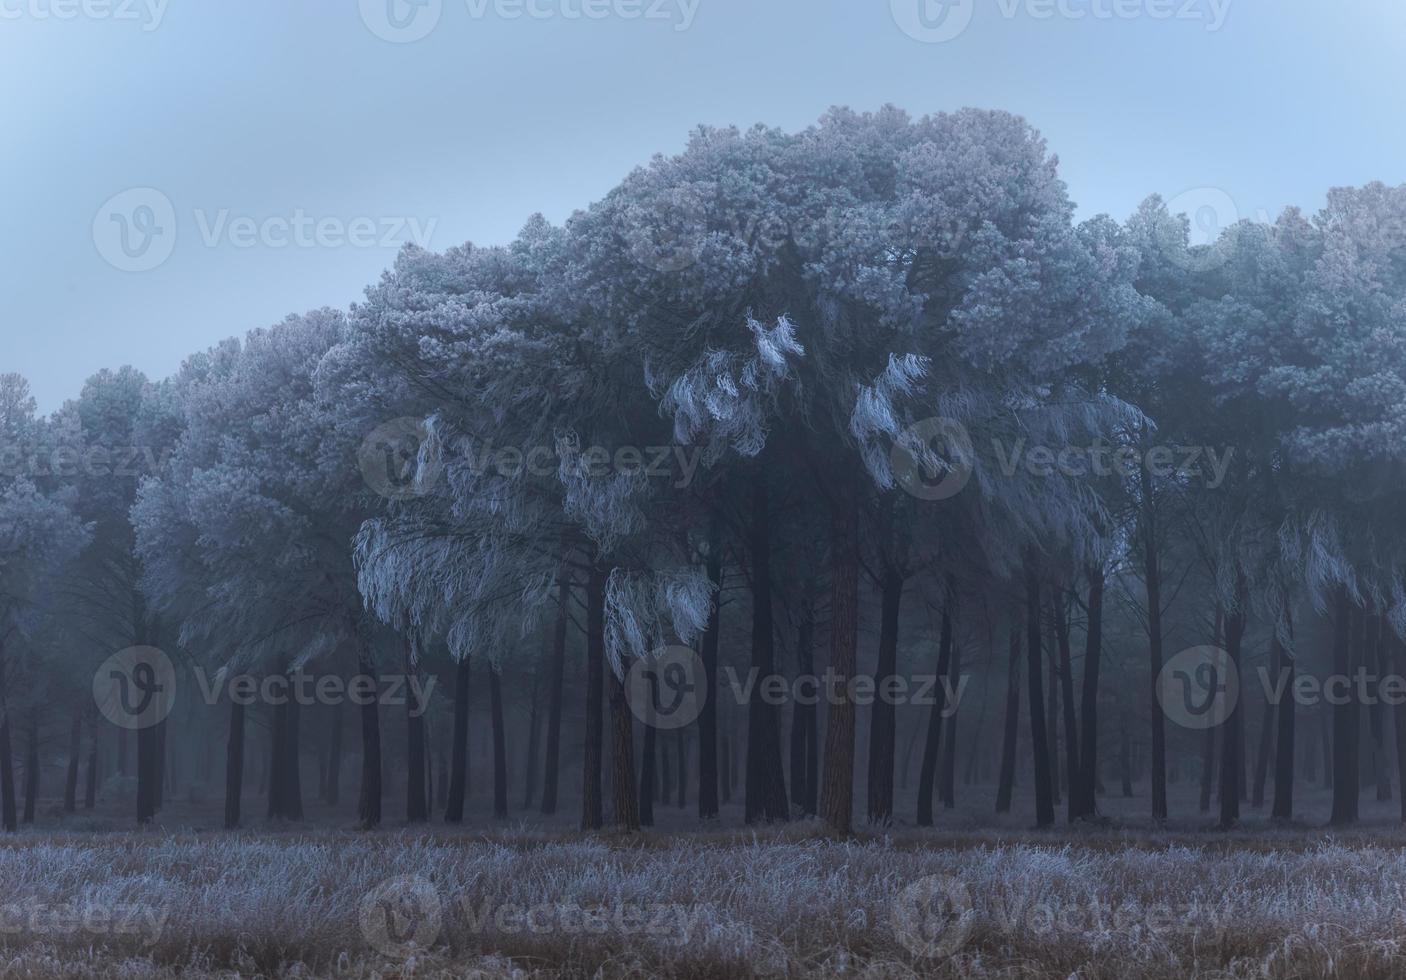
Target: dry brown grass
(535,903)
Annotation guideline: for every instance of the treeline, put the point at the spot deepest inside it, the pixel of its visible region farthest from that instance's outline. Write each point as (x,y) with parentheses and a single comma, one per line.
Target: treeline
(768,396)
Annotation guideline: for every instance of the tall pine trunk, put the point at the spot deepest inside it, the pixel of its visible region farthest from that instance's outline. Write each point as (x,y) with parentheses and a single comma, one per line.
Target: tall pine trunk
(765,794)
(500,743)
(648,777)
(1006,782)
(882,718)
(369,805)
(1066,686)
(837,793)
(625,796)
(459,749)
(1087,805)
(592,814)
(332,782)
(1285,716)
(234,764)
(75,751)
(417,804)
(31,767)
(937,716)
(534,744)
(1231,764)
(805,733)
(708,716)
(551,765)
(1345,715)
(1039,729)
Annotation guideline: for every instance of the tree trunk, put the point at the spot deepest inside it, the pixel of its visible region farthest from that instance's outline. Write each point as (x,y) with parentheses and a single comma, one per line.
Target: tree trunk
(882,719)
(708,716)
(459,749)
(765,793)
(1066,685)
(1231,766)
(648,779)
(1039,728)
(332,792)
(947,773)
(1285,715)
(1345,715)
(1264,749)
(75,750)
(534,744)
(592,814)
(1398,723)
(31,767)
(622,756)
(1006,783)
(726,763)
(500,743)
(417,804)
(805,766)
(681,740)
(837,794)
(936,716)
(369,805)
(1125,755)
(1087,805)
(551,765)
(1152,576)
(90,777)
(146,774)
(292,769)
(234,764)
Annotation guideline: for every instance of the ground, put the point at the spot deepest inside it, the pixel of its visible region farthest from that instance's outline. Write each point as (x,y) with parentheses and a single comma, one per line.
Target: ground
(1119,900)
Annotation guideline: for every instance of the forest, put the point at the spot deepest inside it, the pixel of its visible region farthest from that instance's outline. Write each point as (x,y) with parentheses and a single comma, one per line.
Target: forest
(838,479)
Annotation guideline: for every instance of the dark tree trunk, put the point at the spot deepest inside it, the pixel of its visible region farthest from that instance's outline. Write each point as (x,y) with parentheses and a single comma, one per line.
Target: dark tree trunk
(278,733)
(500,744)
(551,765)
(1052,729)
(534,744)
(234,764)
(1285,715)
(1006,783)
(1398,723)
(1152,576)
(75,751)
(1087,805)
(147,749)
(882,719)
(666,779)
(90,777)
(1066,685)
(1266,742)
(936,716)
(417,804)
(369,805)
(31,767)
(332,783)
(765,794)
(1376,650)
(292,769)
(459,749)
(681,740)
(1044,796)
(947,772)
(1231,765)
(1345,715)
(8,813)
(648,778)
(625,797)
(837,793)
(805,733)
(726,763)
(708,716)
(592,813)
(1125,756)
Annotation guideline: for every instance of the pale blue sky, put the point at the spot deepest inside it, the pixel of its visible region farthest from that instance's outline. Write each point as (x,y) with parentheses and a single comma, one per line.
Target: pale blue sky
(274,108)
